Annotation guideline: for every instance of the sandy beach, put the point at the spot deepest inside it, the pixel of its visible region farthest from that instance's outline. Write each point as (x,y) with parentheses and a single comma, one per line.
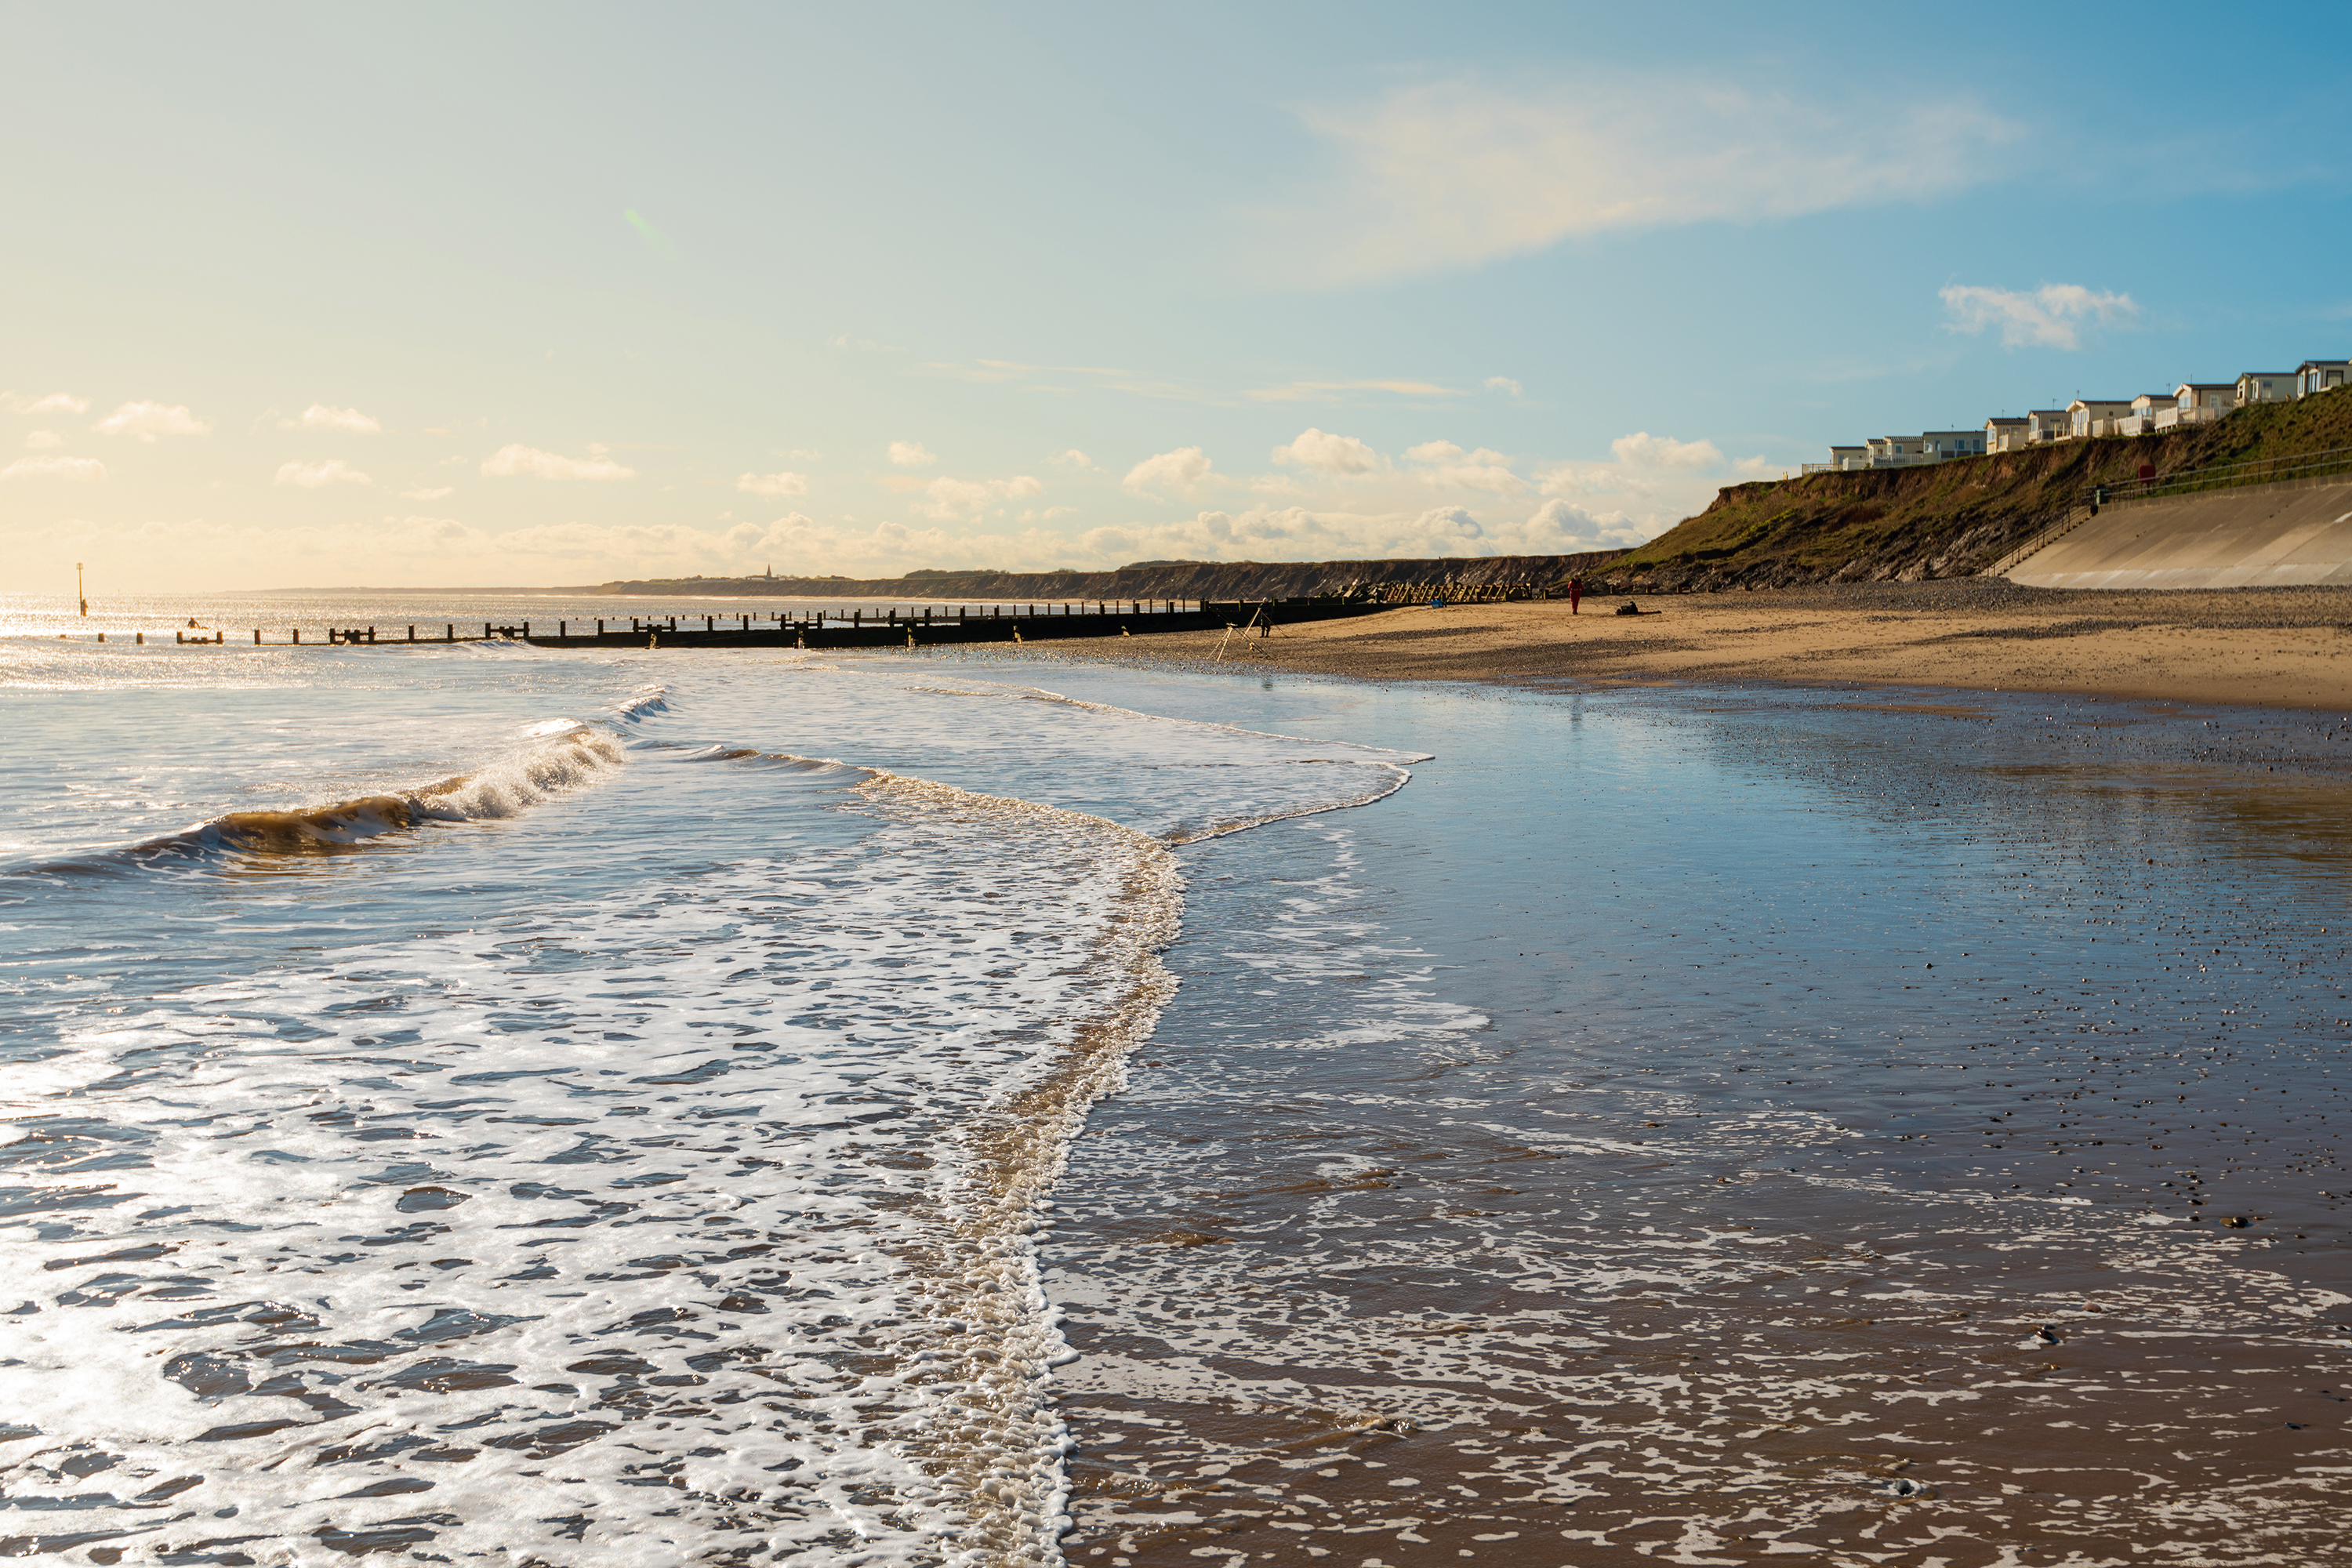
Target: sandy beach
(2277,647)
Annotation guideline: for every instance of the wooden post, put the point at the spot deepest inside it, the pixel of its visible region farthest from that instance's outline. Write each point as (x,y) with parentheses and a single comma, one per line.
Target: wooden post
(140,637)
(486,631)
(257,636)
(449,632)
(298,636)
(412,634)
(600,627)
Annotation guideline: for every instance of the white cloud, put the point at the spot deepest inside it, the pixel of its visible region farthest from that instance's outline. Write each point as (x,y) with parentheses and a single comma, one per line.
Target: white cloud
(1506,385)
(1073,458)
(516,461)
(428,492)
(1334,390)
(1444,463)
(185,554)
(2052,316)
(149,420)
(778,484)
(1563,528)
(1456,173)
(1644,451)
(53,469)
(1578,479)
(1306,533)
(1449,523)
(42,441)
(318,416)
(315,476)
(55,403)
(1181,470)
(910,454)
(1328,454)
(947,499)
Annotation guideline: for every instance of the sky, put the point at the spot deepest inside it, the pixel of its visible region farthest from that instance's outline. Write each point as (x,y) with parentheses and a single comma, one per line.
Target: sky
(526,295)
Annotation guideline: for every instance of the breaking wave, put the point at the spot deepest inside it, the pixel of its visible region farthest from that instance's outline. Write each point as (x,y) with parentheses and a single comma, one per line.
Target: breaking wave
(567,758)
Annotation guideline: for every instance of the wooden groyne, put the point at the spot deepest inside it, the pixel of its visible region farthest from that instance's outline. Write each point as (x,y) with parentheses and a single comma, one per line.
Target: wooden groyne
(923,625)
(1455,591)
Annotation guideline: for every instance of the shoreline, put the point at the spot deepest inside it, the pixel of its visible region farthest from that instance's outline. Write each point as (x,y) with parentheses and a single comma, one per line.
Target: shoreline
(2266,648)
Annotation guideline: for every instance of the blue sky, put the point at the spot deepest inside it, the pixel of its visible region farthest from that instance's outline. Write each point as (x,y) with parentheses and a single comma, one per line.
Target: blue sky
(514,295)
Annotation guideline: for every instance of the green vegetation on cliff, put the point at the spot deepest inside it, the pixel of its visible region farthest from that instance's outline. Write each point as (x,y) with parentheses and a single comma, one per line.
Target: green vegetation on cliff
(1946,519)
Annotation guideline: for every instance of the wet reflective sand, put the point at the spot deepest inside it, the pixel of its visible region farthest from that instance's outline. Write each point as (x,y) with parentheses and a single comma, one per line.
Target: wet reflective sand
(1706,1128)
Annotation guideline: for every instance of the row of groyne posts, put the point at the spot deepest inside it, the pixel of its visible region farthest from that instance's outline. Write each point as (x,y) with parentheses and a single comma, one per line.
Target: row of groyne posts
(1030,622)
(890,627)
(1466,593)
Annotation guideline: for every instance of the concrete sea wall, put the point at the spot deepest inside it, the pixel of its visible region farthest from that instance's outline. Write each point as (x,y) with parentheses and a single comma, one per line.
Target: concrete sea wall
(2256,536)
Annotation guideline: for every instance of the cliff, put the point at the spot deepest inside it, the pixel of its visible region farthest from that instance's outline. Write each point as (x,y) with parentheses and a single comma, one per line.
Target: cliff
(1948,519)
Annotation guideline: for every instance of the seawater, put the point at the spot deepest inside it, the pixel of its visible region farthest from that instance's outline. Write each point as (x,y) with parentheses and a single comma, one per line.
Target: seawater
(1735,1125)
(478,1104)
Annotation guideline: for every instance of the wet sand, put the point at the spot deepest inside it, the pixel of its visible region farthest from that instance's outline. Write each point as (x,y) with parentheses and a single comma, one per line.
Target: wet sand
(2277,647)
(1688,1127)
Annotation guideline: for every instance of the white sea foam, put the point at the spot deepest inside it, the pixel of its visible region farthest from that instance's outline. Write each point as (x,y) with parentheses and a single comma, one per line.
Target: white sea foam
(679,1200)
(722,1198)
(692,1215)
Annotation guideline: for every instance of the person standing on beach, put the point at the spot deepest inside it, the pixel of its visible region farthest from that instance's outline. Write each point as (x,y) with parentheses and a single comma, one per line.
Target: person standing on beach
(1575,593)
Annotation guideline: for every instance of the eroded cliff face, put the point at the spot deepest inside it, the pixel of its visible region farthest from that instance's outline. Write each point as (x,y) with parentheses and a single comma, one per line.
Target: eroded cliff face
(1151,580)
(1948,520)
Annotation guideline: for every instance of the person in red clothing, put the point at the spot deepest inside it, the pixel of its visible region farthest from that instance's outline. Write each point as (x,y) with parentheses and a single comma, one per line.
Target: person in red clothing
(1575,593)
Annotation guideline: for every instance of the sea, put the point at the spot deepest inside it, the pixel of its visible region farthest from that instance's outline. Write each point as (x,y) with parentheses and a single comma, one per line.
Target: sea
(468,1102)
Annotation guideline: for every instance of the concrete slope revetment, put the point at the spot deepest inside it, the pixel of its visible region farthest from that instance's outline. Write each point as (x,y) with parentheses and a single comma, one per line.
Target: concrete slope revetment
(2257,536)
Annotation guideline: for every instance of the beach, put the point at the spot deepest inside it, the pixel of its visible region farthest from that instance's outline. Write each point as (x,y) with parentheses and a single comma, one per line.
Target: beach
(2274,646)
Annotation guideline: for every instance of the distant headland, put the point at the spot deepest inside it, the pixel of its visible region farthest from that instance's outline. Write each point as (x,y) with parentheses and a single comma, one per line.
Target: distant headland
(1211,579)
